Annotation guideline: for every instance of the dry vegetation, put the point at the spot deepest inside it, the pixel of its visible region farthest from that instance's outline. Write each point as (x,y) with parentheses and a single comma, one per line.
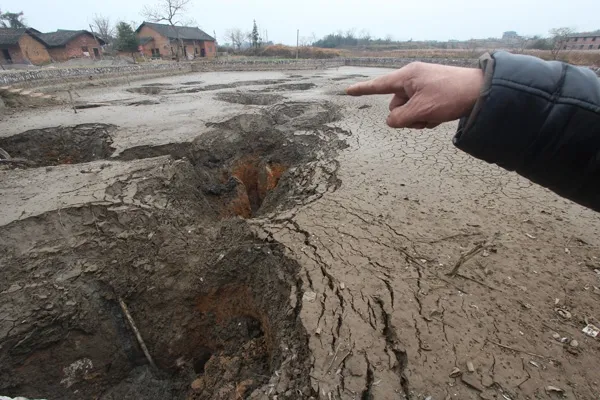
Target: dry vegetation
(588,58)
(281,51)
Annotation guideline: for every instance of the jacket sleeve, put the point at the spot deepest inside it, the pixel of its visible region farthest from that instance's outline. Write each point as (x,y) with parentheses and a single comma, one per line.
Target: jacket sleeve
(540,119)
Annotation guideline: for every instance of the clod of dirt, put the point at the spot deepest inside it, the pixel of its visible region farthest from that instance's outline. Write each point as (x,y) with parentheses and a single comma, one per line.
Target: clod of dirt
(83,106)
(62,144)
(289,87)
(147,102)
(232,85)
(342,78)
(245,98)
(146,90)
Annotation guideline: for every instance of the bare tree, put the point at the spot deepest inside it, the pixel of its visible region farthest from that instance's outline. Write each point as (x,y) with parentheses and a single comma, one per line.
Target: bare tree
(103,27)
(521,43)
(365,37)
(236,36)
(170,11)
(559,38)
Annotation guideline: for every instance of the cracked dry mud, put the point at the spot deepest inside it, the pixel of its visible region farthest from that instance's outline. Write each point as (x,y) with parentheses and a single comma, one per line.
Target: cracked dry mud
(334,283)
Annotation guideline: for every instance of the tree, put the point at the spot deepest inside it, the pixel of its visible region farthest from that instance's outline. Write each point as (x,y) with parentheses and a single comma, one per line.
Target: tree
(558,37)
(170,11)
(104,29)
(236,36)
(255,36)
(12,20)
(127,40)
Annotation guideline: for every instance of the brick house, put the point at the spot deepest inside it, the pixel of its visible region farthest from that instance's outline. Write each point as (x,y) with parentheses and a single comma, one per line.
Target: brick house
(583,41)
(162,41)
(22,46)
(64,44)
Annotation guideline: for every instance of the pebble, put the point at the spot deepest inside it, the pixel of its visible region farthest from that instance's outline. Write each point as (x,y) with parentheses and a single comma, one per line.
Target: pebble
(470,366)
(556,336)
(455,372)
(574,343)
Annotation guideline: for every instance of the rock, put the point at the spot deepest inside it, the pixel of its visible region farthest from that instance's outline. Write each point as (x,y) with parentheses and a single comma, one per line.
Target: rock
(309,296)
(12,288)
(556,336)
(554,389)
(563,313)
(456,372)
(198,384)
(472,381)
(574,343)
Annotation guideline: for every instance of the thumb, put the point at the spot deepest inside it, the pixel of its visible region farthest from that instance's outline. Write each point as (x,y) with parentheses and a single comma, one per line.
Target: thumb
(407,116)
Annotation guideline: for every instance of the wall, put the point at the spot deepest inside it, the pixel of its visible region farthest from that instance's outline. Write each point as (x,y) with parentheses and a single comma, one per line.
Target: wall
(586,42)
(33,50)
(110,75)
(160,42)
(73,48)
(210,48)
(49,76)
(263,64)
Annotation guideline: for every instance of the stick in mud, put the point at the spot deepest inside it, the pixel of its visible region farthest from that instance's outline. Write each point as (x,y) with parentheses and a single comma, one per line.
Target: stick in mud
(72,102)
(137,332)
(466,256)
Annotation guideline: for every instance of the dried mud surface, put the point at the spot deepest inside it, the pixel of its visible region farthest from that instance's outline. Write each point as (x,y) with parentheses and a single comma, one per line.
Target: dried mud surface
(295,250)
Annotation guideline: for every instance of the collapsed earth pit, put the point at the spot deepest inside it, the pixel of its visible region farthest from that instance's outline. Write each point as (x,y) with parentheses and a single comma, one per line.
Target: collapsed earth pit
(215,305)
(62,144)
(201,307)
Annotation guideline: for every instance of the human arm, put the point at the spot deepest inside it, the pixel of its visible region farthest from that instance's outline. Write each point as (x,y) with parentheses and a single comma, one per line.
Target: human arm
(540,119)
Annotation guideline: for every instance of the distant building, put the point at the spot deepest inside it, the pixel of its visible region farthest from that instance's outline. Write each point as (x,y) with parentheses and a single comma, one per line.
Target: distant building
(22,46)
(162,41)
(65,44)
(510,35)
(583,41)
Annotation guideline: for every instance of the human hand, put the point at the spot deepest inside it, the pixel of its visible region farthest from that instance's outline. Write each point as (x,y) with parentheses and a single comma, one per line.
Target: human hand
(425,95)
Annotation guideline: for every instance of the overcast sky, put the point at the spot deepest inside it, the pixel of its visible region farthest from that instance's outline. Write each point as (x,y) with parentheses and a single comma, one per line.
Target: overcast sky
(403,19)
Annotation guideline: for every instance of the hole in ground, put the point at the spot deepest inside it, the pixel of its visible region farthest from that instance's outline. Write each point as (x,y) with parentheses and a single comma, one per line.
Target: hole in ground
(200,306)
(249,180)
(62,144)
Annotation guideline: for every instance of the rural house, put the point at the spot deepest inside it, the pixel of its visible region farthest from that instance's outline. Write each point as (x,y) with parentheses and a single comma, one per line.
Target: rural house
(583,41)
(22,46)
(64,44)
(162,41)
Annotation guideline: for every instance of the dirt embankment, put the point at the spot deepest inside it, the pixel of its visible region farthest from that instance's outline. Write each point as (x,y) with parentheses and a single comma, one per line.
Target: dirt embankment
(165,255)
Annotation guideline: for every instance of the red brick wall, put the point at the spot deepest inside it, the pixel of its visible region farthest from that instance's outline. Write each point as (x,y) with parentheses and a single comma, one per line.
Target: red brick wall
(28,50)
(73,49)
(586,42)
(164,45)
(33,50)
(160,42)
(211,49)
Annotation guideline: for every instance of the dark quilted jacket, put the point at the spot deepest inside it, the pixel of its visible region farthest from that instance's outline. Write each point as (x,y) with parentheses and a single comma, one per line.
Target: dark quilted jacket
(540,119)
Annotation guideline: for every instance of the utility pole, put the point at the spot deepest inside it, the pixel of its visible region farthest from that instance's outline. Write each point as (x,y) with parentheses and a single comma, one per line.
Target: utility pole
(216,46)
(297,42)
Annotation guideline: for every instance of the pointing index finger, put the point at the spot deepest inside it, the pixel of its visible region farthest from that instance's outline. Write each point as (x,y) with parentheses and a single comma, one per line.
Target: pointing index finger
(386,84)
